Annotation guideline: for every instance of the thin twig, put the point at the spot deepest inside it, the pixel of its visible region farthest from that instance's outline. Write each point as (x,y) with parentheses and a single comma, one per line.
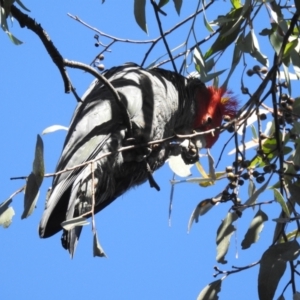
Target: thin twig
(156,11)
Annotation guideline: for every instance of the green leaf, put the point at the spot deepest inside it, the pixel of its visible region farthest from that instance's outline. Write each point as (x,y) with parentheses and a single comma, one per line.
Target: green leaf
(236,3)
(178,4)
(296,296)
(38,164)
(34,180)
(211,76)
(250,45)
(201,209)
(6,213)
(228,33)
(287,77)
(224,233)
(255,229)
(289,47)
(206,23)
(199,62)
(31,195)
(279,198)
(22,5)
(294,190)
(97,249)
(14,39)
(252,199)
(254,133)
(251,187)
(275,39)
(273,265)
(266,32)
(210,292)
(290,236)
(162,3)
(140,14)
(295,59)
(72,223)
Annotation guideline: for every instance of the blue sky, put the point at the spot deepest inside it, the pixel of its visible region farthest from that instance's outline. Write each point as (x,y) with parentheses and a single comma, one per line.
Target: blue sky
(147,259)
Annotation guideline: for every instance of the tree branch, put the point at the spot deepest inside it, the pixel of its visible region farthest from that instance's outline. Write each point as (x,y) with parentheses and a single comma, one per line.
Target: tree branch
(26,21)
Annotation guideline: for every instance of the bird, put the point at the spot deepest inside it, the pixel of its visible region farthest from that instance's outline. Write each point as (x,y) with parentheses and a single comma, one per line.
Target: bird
(156,105)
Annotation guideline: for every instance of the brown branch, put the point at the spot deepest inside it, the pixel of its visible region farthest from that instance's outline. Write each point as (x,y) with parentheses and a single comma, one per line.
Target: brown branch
(126,148)
(26,21)
(236,269)
(76,18)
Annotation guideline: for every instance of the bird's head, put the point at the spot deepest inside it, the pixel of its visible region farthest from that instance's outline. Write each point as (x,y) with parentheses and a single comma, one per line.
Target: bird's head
(212,105)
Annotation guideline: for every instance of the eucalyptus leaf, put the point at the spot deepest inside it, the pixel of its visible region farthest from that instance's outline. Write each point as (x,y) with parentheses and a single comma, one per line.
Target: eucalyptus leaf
(31,195)
(97,249)
(280,199)
(38,164)
(210,292)
(273,265)
(178,4)
(224,233)
(140,14)
(6,213)
(296,296)
(22,5)
(256,226)
(202,208)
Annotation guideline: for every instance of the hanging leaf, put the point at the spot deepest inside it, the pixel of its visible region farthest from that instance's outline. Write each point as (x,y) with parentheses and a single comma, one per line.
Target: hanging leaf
(201,209)
(22,5)
(255,229)
(178,4)
(38,163)
(140,14)
(290,236)
(224,233)
(211,76)
(206,23)
(279,198)
(294,190)
(251,187)
(273,265)
(162,3)
(229,32)
(296,296)
(6,213)
(34,180)
(210,292)
(250,45)
(287,77)
(97,249)
(31,195)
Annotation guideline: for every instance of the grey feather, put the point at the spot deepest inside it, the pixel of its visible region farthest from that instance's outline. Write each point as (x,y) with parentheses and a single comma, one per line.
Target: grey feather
(159,103)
